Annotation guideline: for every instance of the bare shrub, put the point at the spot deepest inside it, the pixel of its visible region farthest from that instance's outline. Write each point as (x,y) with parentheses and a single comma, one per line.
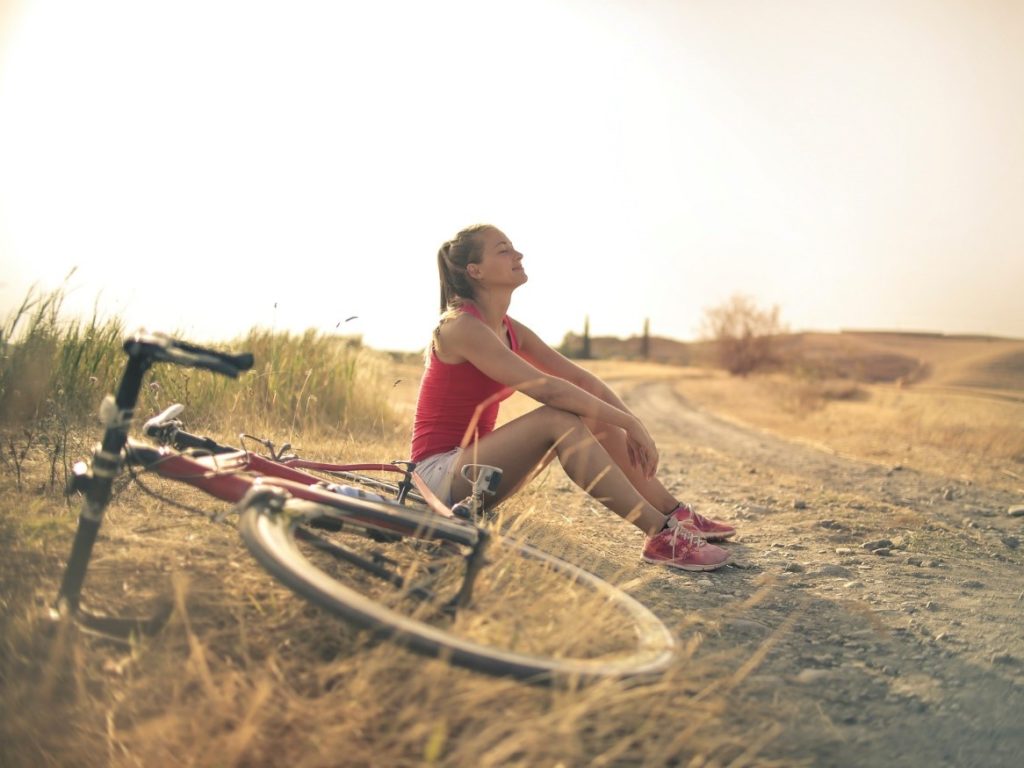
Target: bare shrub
(803,396)
(743,334)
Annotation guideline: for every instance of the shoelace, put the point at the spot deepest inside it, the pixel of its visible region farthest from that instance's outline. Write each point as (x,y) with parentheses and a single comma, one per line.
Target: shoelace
(679,532)
(695,516)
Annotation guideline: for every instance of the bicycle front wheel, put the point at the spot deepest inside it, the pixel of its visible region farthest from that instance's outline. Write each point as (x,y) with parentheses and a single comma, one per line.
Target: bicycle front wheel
(525,613)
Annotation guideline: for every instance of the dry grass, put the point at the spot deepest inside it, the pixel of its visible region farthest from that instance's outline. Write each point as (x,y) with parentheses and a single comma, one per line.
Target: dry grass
(959,410)
(246,674)
(952,431)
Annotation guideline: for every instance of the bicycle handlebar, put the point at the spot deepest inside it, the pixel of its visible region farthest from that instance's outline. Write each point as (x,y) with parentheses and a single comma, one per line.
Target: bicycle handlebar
(166,429)
(159,346)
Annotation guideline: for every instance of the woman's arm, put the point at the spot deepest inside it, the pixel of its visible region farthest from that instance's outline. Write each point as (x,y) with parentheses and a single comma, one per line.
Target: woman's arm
(551,361)
(467,337)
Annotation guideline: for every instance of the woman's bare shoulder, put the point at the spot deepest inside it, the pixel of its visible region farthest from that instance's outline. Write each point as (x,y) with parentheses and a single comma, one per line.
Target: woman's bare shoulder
(456,330)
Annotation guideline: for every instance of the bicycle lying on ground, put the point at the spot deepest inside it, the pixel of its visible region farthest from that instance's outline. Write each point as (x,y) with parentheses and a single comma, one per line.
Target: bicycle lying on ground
(378,553)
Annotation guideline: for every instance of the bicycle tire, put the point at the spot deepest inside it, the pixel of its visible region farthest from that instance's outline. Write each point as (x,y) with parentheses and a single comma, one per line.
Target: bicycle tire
(269,531)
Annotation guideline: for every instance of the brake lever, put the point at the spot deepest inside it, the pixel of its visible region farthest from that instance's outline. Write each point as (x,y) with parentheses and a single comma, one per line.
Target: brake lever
(275,453)
(164,424)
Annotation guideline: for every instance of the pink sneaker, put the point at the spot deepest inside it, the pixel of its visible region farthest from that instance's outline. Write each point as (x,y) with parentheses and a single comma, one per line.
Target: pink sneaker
(702,527)
(677,547)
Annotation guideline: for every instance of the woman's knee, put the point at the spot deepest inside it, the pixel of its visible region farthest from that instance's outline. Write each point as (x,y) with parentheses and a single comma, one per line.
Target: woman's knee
(559,422)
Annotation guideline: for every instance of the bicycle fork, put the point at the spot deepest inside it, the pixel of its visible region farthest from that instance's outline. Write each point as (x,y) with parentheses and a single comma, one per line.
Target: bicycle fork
(485,480)
(474,561)
(115,414)
(96,482)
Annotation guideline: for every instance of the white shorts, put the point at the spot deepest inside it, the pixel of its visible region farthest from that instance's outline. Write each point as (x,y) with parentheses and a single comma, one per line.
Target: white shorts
(438,471)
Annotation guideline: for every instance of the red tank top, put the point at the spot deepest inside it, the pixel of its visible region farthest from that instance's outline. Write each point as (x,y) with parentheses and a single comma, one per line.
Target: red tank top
(449,396)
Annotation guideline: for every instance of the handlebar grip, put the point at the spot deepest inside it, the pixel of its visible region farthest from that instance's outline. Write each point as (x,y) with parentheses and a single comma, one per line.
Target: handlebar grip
(241,362)
(158,346)
(183,440)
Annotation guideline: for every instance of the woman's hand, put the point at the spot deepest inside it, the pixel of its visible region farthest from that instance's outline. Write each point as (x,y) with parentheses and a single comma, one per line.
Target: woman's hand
(642,451)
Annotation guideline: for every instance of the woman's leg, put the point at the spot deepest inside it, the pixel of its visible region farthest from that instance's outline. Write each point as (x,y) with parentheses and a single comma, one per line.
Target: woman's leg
(614,441)
(524,446)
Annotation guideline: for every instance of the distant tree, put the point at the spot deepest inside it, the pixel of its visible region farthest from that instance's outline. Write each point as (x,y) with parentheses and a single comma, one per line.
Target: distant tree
(645,340)
(743,333)
(585,351)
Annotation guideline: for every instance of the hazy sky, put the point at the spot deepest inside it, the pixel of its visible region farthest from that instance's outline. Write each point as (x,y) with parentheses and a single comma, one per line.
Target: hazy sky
(859,163)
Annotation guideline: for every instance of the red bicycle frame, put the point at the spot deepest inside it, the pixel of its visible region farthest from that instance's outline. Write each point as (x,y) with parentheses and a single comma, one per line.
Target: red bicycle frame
(230,476)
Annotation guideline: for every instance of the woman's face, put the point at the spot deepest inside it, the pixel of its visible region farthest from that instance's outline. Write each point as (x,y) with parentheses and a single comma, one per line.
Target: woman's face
(500,263)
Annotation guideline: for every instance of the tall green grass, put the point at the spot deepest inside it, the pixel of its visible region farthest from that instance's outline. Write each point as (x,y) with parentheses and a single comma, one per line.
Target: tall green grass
(308,383)
(55,370)
(51,366)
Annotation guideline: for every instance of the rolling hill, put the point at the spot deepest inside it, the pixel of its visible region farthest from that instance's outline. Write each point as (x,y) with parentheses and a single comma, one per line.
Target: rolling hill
(903,358)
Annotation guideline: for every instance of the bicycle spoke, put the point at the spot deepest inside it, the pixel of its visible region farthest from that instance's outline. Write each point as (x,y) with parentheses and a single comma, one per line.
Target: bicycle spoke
(374,565)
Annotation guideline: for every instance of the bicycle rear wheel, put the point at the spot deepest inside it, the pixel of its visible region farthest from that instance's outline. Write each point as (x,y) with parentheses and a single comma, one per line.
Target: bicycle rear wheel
(531,615)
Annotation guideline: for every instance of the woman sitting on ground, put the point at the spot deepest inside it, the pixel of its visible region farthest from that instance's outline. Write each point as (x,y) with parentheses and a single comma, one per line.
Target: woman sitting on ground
(479,355)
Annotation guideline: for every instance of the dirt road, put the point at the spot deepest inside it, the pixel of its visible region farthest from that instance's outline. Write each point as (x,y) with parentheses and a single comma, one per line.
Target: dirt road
(888,601)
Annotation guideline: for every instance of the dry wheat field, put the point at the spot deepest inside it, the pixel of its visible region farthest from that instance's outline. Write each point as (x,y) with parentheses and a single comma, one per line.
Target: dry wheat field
(871,615)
